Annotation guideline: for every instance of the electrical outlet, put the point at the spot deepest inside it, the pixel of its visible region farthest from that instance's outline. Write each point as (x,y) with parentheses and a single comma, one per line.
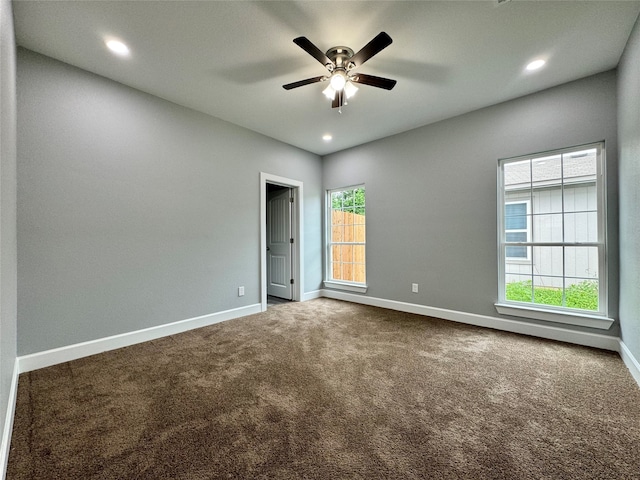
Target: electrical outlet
(414,287)
(240,291)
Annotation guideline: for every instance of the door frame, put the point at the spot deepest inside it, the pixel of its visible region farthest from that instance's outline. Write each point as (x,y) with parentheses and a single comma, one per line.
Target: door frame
(297,258)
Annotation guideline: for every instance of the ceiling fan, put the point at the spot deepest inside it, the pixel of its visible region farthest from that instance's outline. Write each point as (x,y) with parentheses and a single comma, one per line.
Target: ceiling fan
(340,61)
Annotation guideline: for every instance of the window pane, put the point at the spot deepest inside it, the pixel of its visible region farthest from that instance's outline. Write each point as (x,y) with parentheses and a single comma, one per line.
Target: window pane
(580,198)
(336,271)
(581,227)
(582,293)
(516,236)
(517,175)
(515,222)
(516,252)
(359,273)
(547,200)
(581,262)
(547,228)
(547,170)
(547,290)
(346,253)
(547,184)
(337,234)
(515,216)
(348,215)
(347,272)
(580,164)
(516,266)
(359,233)
(337,218)
(335,253)
(547,261)
(348,233)
(513,251)
(516,228)
(336,200)
(518,288)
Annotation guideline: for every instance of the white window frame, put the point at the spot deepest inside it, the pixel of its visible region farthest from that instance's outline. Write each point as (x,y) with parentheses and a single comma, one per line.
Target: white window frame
(551,313)
(329,282)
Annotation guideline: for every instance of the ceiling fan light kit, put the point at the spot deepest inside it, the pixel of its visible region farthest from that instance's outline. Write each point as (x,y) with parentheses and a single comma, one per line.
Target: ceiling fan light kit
(340,61)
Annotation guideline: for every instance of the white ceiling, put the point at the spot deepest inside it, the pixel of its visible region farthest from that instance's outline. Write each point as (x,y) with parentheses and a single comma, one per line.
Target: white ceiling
(230,58)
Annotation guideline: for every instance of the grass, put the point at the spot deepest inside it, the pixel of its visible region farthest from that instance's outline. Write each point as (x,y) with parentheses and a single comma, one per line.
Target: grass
(583,295)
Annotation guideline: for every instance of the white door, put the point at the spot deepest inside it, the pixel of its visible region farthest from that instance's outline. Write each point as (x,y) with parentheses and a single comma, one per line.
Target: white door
(279,244)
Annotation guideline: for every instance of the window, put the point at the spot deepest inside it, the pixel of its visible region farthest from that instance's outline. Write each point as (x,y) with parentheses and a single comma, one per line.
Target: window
(551,236)
(346,239)
(516,227)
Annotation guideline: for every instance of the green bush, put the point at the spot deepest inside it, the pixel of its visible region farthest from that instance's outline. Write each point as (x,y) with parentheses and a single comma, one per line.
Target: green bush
(548,296)
(519,291)
(583,295)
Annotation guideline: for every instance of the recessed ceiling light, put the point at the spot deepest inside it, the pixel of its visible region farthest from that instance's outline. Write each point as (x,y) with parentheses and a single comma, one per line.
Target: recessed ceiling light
(535,65)
(117,47)
(327,137)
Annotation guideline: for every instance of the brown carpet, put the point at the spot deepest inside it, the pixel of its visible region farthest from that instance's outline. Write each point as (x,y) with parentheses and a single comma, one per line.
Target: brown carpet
(331,390)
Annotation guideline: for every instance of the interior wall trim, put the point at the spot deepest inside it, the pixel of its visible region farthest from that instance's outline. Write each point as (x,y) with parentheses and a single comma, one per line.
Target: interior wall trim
(311,295)
(588,339)
(55,356)
(8,422)
(630,361)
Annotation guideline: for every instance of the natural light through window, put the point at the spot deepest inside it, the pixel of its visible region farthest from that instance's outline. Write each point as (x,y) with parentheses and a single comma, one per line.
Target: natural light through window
(346,236)
(552,249)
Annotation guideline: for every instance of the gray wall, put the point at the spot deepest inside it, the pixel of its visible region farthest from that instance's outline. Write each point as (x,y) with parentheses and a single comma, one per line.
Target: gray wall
(135,212)
(431,192)
(629,145)
(7,207)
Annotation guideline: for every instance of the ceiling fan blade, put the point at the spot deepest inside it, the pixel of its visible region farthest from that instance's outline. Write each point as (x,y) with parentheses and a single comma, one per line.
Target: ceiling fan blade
(374,81)
(304,82)
(380,42)
(305,44)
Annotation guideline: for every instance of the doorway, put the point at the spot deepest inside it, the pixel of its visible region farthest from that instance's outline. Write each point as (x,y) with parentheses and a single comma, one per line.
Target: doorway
(279,243)
(281,238)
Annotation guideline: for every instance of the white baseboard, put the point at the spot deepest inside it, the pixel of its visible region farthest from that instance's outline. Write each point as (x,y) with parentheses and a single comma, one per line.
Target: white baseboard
(311,295)
(544,331)
(630,361)
(5,445)
(55,356)
(48,358)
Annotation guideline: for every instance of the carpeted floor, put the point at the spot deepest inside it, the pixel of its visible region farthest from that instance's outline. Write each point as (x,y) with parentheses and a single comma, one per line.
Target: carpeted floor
(331,390)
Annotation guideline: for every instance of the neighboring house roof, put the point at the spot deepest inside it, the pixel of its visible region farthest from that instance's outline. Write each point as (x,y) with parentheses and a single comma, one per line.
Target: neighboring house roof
(575,167)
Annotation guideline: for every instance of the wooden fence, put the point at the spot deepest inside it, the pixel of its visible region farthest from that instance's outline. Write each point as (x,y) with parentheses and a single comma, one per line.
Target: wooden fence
(348,261)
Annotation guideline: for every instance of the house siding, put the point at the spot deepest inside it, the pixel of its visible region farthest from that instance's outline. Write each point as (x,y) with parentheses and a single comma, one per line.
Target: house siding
(548,261)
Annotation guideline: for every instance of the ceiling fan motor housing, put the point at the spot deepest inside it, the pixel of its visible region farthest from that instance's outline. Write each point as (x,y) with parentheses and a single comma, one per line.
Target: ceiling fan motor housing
(340,56)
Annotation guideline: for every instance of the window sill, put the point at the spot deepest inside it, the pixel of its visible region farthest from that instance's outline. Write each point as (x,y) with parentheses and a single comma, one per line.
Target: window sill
(569,318)
(349,287)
